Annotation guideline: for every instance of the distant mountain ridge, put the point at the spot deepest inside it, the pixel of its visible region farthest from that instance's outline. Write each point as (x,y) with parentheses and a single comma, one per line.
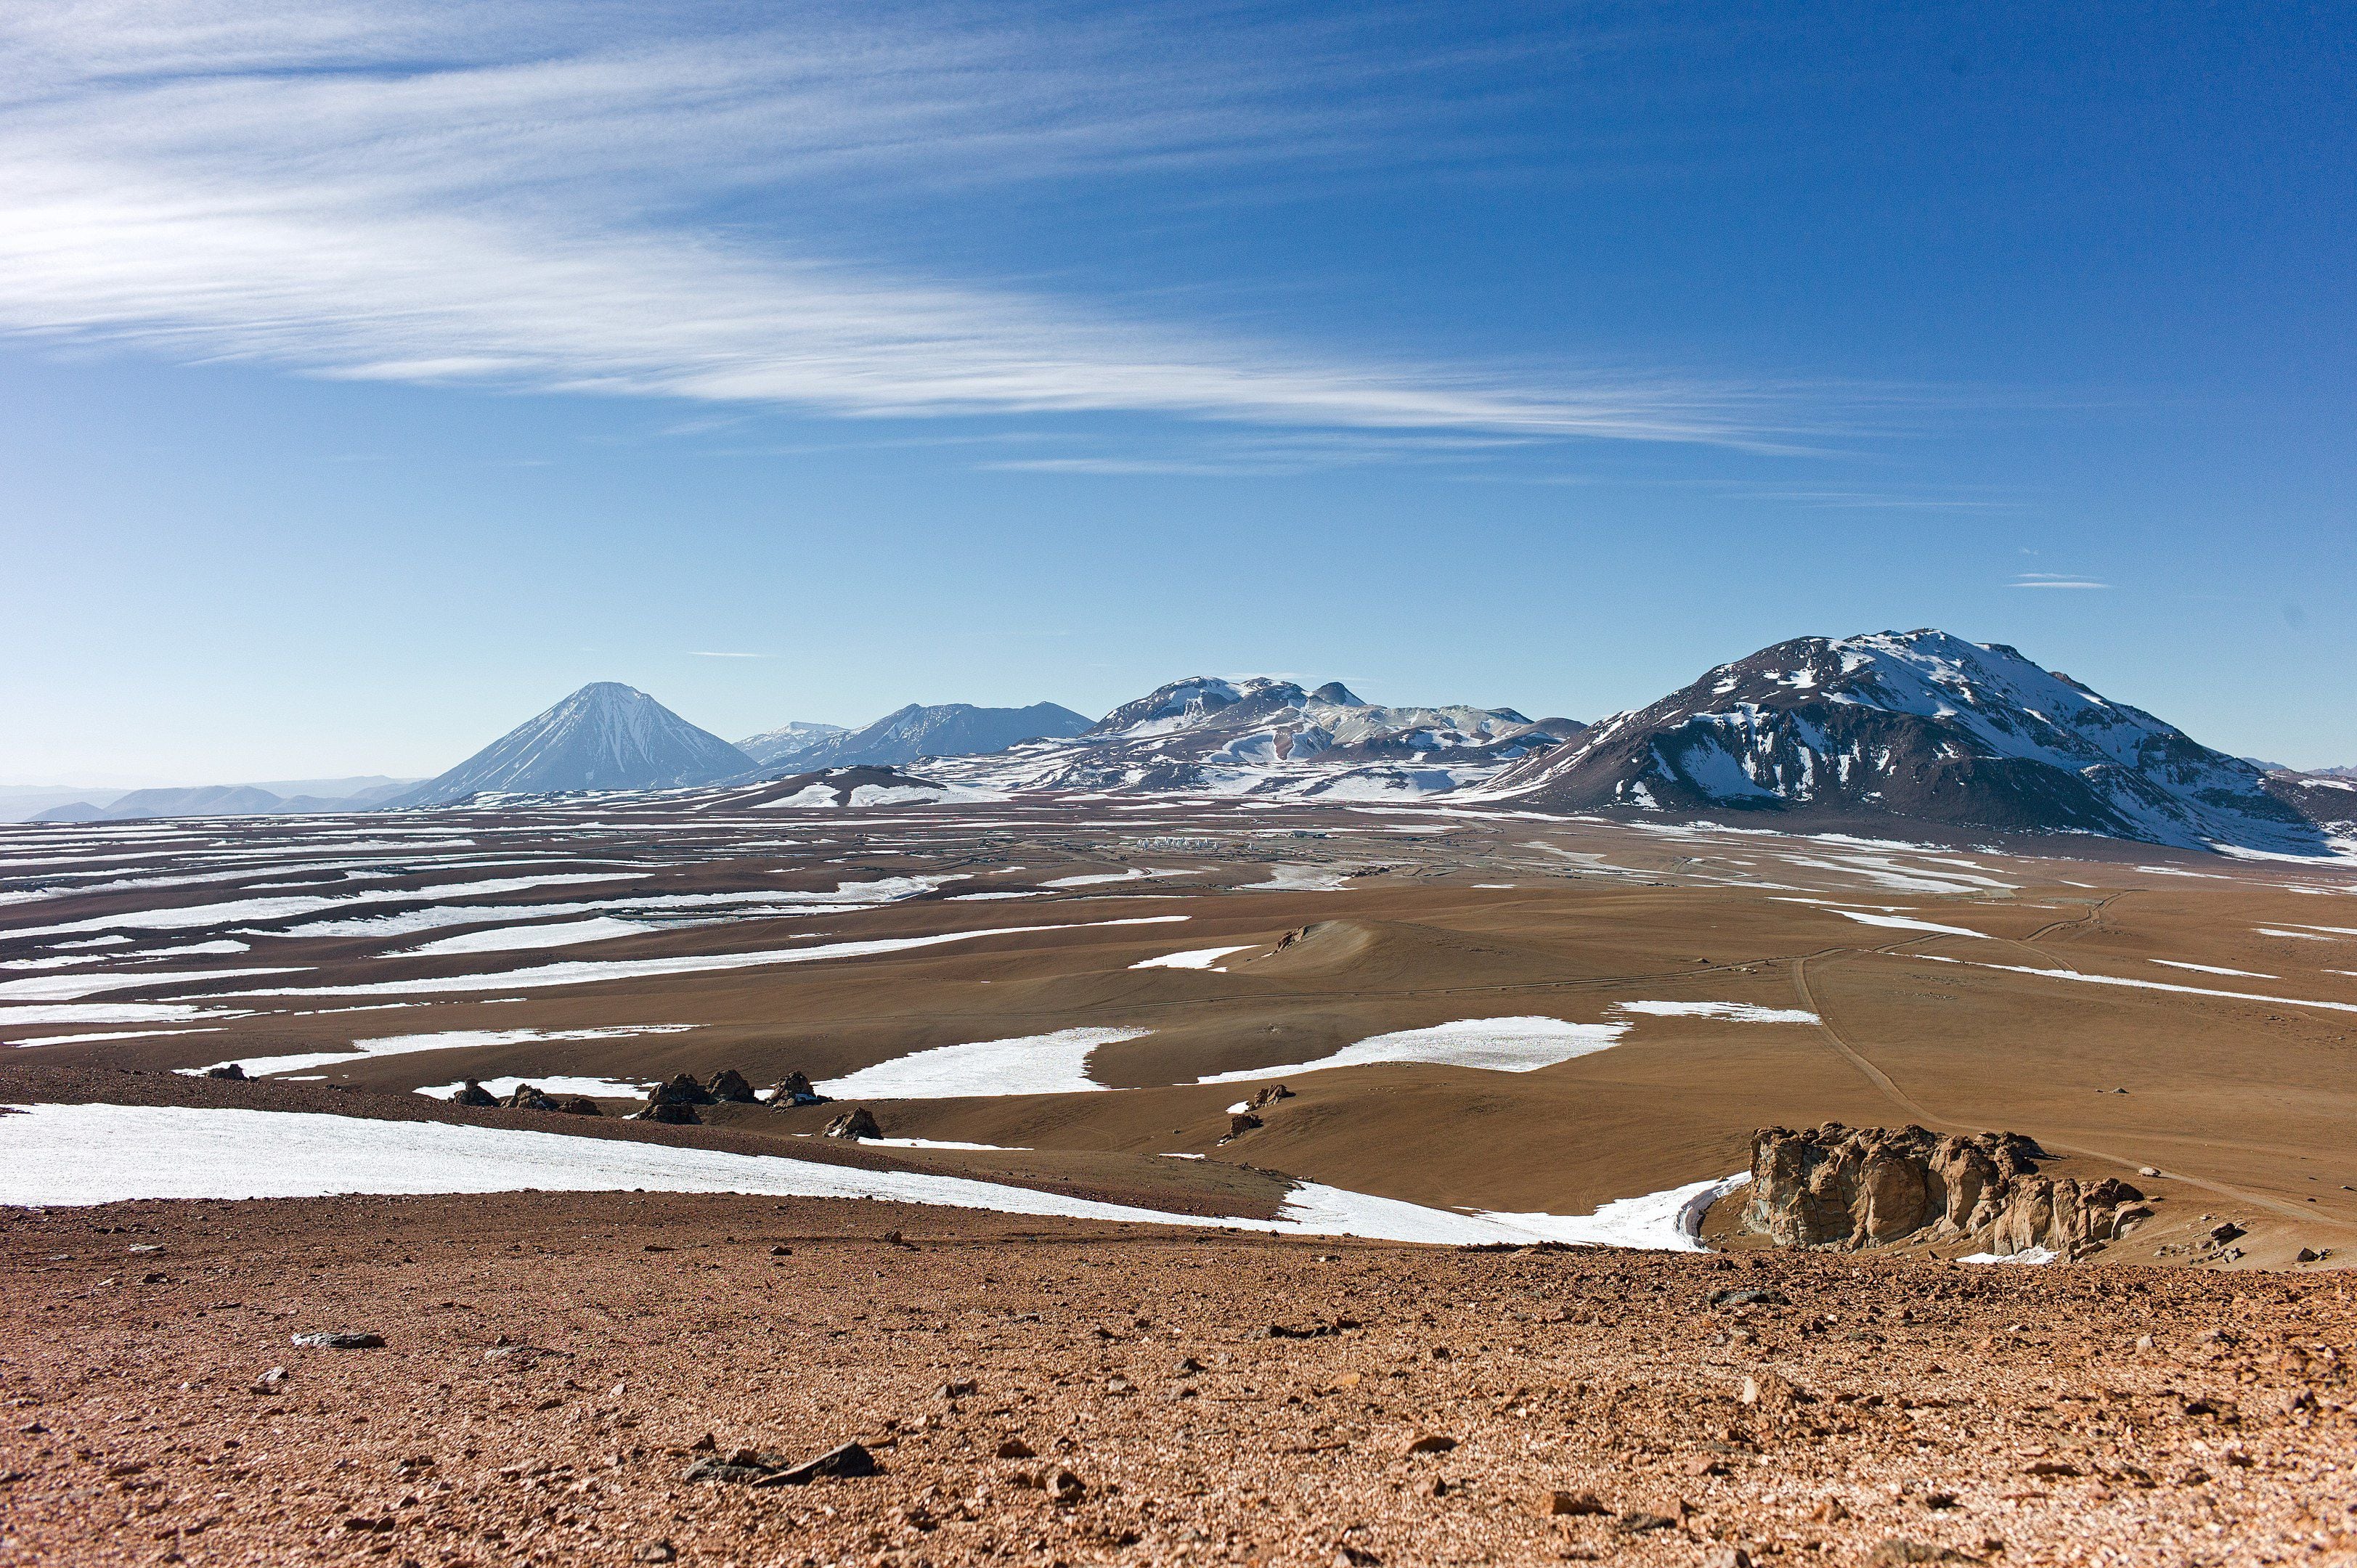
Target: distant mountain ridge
(1262,734)
(606,735)
(1919,726)
(945,729)
(1919,732)
(229,800)
(788,740)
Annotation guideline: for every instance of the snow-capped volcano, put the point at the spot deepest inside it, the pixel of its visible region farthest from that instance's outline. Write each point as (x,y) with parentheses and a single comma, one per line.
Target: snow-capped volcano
(1918,725)
(606,735)
(1258,735)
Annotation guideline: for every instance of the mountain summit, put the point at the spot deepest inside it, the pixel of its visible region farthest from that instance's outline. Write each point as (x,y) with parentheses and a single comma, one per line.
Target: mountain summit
(940,729)
(606,735)
(788,740)
(1921,725)
(1260,735)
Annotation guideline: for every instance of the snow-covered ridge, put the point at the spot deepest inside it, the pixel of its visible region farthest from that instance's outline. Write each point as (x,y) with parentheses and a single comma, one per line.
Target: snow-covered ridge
(1260,735)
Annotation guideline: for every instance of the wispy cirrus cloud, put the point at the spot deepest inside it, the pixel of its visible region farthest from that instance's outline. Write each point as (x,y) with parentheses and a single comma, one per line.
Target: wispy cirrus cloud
(2053,580)
(683,203)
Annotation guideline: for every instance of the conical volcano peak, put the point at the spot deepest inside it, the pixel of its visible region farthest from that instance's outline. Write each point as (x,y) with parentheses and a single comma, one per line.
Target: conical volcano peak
(606,736)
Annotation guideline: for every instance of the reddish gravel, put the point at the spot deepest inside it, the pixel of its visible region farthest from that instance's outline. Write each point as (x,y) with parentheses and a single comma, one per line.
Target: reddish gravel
(552,1362)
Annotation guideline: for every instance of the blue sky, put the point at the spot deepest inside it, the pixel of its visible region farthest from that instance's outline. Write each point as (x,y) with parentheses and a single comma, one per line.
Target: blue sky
(377,373)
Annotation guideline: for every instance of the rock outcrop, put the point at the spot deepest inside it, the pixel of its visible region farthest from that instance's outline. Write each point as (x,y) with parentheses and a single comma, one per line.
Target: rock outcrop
(730,1087)
(859,1123)
(1848,1187)
(675,1101)
(796,1088)
(475,1094)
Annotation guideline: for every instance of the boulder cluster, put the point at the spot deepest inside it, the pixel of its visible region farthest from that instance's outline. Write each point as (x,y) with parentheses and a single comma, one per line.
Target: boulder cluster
(527,1097)
(1847,1187)
(675,1101)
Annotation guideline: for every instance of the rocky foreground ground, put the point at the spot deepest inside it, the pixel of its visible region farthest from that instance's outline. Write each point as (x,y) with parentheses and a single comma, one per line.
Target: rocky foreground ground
(634,1378)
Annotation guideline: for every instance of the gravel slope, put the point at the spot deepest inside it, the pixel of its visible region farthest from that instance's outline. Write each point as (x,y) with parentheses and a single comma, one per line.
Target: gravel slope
(552,1362)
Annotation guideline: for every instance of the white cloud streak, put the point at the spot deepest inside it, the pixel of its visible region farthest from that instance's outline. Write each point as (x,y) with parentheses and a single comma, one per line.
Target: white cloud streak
(2053,580)
(522,195)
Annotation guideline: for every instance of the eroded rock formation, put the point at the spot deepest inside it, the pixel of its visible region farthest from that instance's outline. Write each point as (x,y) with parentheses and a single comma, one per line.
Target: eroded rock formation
(859,1123)
(1847,1187)
(796,1088)
(730,1087)
(675,1101)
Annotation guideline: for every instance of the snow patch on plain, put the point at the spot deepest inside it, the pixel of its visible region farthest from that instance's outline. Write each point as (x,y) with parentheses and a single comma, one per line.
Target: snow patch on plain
(1028,1064)
(1299,879)
(1490,1044)
(77,1155)
(590,972)
(443,1040)
(110,1013)
(553,1083)
(1733,1012)
(1196,958)
(1903,923)
(517,938)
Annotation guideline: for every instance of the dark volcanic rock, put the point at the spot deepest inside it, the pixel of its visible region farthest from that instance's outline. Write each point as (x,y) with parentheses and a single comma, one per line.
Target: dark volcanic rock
(1749,1298)
(674,1115)
(227,1069)
(851,1460)
(1864,1187)
(759,1468)
(743,1468)
(473,1094)
(527,1097)
(578,1105)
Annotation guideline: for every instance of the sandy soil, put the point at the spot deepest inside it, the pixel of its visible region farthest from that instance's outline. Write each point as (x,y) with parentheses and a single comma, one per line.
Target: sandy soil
(552,1364)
